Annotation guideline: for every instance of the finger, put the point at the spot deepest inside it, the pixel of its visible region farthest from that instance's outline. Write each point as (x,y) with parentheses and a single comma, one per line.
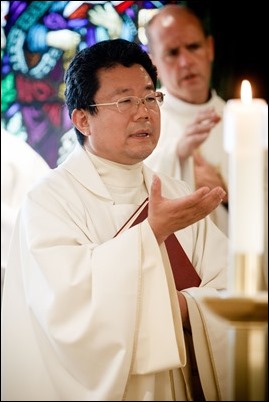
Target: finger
(207,117)
(204,115)
(193,199)
(216,118)
(205,126)
(199,130)
(202,191)
(156,188)
(218,193)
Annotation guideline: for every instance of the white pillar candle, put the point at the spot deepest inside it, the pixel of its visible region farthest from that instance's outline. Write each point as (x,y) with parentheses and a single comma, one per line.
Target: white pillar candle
(245,136)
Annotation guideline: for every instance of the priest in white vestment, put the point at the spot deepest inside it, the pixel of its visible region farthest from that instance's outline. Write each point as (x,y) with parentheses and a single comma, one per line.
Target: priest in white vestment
(90,310)
(191,141)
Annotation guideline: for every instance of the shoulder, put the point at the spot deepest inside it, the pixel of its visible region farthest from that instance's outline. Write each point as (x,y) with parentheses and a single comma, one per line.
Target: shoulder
(63,182)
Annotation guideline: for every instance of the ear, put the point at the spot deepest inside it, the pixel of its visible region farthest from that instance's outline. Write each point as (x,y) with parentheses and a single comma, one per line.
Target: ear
(80,119)
(211,47)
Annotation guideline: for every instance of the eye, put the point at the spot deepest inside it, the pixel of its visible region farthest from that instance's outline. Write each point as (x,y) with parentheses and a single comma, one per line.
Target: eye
(150,98)
(192,47)
(173,52)
(125,101)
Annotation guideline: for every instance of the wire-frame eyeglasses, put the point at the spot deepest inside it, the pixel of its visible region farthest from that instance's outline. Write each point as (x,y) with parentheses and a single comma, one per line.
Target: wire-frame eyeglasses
(128,103)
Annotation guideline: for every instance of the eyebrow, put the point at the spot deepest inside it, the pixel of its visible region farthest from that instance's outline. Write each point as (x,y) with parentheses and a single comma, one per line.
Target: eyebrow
(122,91)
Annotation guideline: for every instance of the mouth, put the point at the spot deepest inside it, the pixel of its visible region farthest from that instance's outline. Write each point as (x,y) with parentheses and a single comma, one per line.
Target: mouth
(189,77)
(140,134)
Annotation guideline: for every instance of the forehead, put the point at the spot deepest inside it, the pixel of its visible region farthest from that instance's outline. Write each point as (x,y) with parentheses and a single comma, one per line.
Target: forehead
(180,28)
(121,79)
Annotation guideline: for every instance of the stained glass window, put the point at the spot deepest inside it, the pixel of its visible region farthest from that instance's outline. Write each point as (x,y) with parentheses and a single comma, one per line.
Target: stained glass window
(39,39)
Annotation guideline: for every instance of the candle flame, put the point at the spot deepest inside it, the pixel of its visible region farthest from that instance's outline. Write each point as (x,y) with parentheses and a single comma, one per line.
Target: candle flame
(246,92)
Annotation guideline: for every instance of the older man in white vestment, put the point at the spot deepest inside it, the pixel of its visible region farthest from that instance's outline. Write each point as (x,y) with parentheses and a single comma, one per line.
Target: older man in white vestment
(93,308)
(191,141)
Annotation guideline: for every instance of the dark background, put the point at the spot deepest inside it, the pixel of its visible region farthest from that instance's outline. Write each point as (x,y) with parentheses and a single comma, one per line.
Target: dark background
(241,47)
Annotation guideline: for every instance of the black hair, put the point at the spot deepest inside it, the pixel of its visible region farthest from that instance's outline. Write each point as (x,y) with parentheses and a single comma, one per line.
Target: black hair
(81,77)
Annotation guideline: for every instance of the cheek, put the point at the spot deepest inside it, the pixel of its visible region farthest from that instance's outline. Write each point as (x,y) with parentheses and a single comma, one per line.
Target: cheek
(105,132)
(112,127)
(157,125)
(155,121)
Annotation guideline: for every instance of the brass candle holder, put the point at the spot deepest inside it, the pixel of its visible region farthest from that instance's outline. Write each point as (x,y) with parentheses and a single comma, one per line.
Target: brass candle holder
(246,310)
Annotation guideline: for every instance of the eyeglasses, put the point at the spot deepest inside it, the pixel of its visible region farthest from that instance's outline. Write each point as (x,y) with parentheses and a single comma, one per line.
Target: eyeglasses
(130,103)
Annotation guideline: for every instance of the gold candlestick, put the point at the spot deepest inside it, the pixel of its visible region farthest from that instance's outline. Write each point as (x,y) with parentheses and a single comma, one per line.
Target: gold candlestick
(246,275)
(247,312)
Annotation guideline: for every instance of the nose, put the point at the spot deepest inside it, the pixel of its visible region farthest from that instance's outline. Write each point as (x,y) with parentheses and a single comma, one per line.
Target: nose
(144,111)
(142,101)
(184,58)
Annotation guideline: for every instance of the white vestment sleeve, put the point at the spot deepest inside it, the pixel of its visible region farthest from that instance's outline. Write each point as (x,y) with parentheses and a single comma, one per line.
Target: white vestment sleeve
(210,341)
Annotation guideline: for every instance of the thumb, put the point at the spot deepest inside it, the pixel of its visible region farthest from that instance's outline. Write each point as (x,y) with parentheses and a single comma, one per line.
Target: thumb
(156,187)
